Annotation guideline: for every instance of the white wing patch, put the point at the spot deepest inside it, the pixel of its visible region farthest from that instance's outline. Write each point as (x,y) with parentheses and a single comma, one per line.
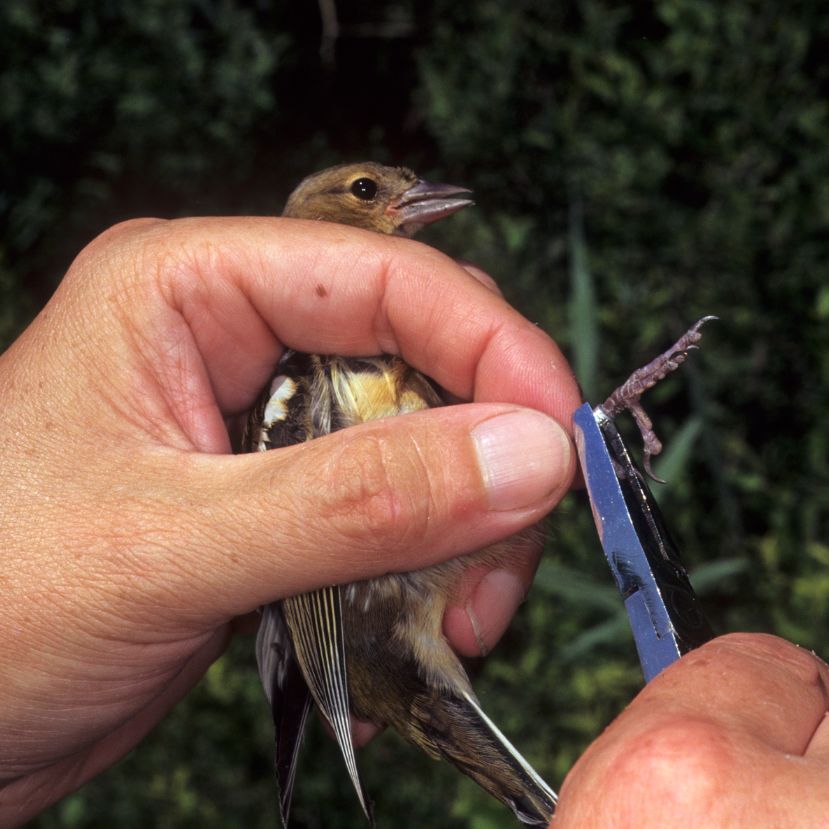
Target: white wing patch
(282,390)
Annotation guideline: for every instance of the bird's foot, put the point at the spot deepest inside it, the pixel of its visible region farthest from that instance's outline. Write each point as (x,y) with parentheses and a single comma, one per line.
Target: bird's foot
(627,396)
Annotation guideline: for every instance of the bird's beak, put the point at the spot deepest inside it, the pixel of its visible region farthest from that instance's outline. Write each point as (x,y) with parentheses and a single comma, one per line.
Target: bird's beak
(425,202)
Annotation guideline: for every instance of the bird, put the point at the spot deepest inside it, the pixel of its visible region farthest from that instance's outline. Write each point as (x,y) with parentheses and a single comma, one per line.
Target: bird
(374,649)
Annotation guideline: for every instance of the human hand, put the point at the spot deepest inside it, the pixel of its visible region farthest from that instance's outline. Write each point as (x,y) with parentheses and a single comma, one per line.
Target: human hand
(733,735)
(132,540)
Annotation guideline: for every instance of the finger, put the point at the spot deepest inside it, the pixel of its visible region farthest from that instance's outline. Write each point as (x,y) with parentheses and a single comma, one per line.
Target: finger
(363,731)
(487,599)
(246,287)
(390,495)
(715,733)
(819,744)
(481,275)
(488,282)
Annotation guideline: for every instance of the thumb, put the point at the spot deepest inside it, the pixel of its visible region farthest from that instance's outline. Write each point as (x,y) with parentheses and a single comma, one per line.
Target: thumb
(389,495)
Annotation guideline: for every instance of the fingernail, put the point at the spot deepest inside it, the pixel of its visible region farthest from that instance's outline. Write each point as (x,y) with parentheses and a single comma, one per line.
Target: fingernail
(523,456)
(492,606)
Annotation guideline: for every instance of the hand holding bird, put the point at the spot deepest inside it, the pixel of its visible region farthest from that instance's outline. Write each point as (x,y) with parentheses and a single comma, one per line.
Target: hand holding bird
(133,540)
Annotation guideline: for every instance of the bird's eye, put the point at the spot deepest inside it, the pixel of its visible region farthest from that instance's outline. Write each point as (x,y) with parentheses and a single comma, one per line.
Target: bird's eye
(364,188)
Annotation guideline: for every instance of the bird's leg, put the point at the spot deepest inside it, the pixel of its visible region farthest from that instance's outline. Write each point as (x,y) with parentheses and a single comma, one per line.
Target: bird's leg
(627,396)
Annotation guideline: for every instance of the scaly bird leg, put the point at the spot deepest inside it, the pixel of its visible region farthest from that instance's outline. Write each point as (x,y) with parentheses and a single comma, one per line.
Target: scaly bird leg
(627,396)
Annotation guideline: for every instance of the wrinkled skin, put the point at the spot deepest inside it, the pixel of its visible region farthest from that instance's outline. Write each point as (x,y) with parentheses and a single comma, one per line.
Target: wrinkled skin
(733,736)
(132,541)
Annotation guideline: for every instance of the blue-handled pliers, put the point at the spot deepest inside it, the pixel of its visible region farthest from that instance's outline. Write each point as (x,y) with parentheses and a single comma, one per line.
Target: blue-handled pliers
(664,611)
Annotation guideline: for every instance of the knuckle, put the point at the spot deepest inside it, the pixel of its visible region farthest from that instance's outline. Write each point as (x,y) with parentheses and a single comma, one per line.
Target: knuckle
(802,665)
(125,232)
(376,491)
(689,750)
(187,263)
(99,254)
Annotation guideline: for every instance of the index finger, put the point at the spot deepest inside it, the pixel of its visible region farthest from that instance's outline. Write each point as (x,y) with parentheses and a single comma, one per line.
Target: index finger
(327,288)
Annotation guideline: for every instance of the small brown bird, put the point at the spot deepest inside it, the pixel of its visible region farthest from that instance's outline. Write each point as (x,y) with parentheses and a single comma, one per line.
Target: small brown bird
(375,648)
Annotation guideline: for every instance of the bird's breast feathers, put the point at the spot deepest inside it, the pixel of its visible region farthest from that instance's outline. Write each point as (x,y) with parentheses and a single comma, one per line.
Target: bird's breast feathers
(313,395)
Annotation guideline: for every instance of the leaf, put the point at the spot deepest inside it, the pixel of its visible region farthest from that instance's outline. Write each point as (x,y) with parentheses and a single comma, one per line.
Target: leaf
(583,311)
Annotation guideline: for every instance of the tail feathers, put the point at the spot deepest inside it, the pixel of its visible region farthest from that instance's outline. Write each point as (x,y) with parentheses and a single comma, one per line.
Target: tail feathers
(456,728)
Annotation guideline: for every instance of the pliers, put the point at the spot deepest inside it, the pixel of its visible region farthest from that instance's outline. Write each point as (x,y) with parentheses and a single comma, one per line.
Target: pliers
(664,612)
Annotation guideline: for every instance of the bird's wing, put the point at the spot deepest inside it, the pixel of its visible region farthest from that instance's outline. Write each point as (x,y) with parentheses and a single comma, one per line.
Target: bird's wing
(288,695)
(316,625)
(277,420)
(303,637)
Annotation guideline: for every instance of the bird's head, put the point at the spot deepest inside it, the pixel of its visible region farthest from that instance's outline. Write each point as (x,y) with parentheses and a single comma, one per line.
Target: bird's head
(389,200)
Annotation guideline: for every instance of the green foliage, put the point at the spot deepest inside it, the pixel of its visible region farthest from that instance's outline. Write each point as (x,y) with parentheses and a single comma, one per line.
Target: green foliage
(636,166)
(584,313)
(690,138)
(104,107)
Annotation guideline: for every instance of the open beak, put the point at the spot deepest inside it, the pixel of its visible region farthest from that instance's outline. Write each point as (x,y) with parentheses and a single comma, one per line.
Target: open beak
(425,202)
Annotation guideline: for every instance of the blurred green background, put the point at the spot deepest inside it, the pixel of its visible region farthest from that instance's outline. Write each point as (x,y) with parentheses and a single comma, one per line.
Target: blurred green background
(636,166)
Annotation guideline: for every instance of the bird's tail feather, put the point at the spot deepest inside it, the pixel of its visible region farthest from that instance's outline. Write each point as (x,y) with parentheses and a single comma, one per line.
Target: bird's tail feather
(458,730)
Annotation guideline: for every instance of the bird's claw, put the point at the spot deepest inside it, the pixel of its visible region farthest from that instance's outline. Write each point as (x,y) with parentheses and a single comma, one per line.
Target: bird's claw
(627,396)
